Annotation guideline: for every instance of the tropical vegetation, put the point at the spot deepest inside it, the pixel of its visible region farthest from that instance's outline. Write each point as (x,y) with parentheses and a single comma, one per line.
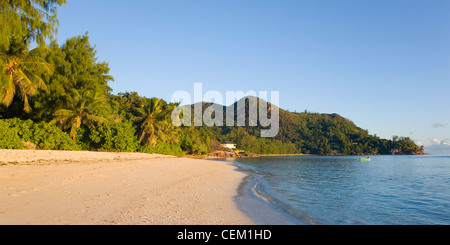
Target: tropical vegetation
(58,97)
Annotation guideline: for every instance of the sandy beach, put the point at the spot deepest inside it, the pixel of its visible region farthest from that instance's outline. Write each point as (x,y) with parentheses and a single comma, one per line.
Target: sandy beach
(98,188)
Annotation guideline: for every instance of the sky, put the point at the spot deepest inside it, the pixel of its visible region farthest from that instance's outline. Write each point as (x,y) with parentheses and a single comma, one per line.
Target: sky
(383,64)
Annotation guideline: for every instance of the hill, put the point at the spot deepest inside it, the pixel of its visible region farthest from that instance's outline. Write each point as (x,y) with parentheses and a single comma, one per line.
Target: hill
(307,133)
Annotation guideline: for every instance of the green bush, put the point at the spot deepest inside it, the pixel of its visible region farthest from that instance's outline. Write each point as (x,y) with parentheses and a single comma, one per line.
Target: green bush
(9,137)
(45,136)
(110,136)
(163,148)
(195,142)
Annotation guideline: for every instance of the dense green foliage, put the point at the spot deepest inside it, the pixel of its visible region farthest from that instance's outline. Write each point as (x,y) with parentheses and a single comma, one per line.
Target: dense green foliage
(332,134)
(109,136)
(58,97)
(30,20)
(15,132)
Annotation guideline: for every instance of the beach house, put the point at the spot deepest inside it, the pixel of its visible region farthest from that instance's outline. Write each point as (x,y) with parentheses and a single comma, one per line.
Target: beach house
(228,144)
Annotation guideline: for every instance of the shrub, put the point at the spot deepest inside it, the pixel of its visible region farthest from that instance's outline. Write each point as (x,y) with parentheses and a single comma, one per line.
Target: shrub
(163,148)
(43,135)
(195,142)
(110,136)
(9,137)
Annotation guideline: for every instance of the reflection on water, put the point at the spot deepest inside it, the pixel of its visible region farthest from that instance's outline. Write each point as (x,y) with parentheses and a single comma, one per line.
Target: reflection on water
(344,190)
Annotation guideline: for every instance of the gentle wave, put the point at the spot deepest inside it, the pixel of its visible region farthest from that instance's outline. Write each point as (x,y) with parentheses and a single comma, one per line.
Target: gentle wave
(343,190)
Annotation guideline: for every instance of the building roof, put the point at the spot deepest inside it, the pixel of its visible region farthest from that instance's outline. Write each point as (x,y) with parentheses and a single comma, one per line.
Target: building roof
(227,142)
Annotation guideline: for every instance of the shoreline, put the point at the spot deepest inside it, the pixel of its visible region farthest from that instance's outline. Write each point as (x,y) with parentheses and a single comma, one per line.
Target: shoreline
(252,202)
(98,188)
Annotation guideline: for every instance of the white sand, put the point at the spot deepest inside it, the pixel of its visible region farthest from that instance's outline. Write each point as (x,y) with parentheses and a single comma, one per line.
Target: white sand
(63,187)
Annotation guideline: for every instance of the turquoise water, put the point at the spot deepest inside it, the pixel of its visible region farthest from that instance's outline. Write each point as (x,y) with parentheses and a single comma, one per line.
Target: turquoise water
(389,190)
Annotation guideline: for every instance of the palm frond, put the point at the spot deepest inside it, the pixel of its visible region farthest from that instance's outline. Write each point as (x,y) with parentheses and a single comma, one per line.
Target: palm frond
(63,112)
(40,82)
(24,70)
(28,87)
(26,105)
(9,91)
(76,122)
(73,131)
(40,67)
(96,118)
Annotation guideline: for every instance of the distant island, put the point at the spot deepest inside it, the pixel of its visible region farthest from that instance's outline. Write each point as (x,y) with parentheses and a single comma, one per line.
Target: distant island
(57,97)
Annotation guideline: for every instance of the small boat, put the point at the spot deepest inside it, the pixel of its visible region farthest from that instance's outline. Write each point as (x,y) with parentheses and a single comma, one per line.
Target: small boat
(365,159)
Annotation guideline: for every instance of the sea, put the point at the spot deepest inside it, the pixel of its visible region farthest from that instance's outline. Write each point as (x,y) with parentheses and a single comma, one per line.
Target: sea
(343,190)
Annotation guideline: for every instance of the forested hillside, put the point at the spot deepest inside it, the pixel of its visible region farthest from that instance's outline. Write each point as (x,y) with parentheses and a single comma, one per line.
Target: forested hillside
(309,133)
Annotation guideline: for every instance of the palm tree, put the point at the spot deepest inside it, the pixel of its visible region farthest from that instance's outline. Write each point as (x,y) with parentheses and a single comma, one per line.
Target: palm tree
(155,124)
(82,111)
(20,73)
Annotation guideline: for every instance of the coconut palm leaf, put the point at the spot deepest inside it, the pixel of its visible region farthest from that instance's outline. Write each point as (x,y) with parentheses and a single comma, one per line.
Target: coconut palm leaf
(7,90)
(21,71)
(82,111)
(155,124)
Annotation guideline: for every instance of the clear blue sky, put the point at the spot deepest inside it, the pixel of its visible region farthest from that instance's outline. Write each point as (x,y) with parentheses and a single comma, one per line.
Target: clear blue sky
(384,64)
